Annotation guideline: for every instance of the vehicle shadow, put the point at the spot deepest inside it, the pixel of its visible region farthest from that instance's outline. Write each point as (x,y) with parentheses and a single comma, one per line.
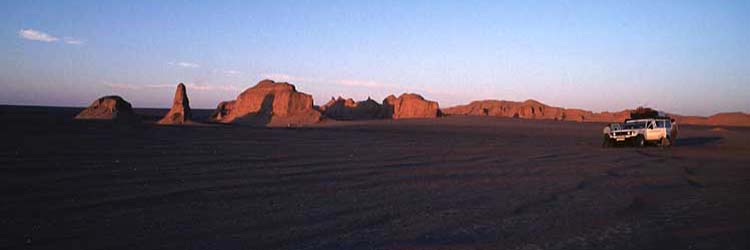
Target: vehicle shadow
(697,141)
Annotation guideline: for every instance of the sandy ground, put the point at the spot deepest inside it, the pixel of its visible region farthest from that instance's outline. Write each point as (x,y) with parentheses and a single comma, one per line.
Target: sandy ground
(449,183)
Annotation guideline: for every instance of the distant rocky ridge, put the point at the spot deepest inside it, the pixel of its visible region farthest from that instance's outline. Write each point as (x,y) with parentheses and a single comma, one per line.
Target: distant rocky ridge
(109,108)
(721,119)
(180,112)
(531,109)
(275,104)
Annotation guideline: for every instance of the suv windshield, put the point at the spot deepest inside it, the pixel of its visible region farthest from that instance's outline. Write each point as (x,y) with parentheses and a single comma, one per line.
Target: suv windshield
(634,125)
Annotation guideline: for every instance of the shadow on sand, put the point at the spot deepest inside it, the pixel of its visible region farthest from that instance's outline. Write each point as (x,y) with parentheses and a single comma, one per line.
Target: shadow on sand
(697,141)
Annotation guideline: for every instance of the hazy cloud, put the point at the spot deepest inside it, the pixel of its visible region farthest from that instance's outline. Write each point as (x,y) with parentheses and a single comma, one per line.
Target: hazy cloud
(35,35)
(342,82)
(189,86)
(365,83)
(227,72)
(212,87)
(123,86)
(232,72)
(185,64)
(287,78)
(72,41)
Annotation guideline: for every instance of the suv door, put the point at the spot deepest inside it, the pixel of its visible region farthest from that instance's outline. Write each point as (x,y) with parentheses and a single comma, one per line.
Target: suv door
(652,132)
(661,129)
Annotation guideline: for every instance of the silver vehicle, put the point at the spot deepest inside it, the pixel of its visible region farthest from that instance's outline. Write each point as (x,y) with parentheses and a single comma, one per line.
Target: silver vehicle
(639,132)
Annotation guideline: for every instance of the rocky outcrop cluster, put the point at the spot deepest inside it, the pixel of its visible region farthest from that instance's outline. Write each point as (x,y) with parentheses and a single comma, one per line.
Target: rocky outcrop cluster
(347,109)
(180,112)
(279,104)
(108,108)
(403,107)
(268,103)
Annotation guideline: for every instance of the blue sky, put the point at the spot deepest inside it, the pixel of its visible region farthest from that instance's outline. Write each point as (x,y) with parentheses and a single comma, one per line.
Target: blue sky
(689,57)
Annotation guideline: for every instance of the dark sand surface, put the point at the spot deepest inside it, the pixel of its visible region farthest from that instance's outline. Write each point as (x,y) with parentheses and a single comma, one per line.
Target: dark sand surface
(449,183)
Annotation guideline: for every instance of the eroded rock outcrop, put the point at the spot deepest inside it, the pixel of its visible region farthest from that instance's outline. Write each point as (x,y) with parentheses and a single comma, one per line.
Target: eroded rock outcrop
(269,103)
(531,109)
(730,119)
(721,119)
(109,108)
(180,112)
(409,106)
(347,109)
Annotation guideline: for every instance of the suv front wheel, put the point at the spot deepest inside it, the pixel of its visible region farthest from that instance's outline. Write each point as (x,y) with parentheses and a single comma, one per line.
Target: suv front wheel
(639,141)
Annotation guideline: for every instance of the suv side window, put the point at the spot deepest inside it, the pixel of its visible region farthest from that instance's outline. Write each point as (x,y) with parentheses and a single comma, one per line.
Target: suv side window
(660,124)
(669,124)
(650,125)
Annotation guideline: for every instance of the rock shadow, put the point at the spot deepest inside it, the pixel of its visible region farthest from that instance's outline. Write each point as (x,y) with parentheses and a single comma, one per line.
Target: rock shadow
(341,109)
(262,117)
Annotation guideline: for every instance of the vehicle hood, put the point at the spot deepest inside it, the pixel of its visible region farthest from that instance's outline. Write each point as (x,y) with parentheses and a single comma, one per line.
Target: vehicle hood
(625,130)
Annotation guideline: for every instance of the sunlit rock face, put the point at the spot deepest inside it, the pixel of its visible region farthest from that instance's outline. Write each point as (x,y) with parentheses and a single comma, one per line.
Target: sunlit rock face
(108,108)
(180,112)
(269,103)
(531,109)
(409,106)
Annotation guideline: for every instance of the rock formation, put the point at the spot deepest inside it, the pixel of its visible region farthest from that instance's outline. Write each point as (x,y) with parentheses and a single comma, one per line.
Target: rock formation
(721,119)
(531,109)
(109,108)
(180,111)
(409,106)
(269,103)
(223,110)
(730,119)
(348,109)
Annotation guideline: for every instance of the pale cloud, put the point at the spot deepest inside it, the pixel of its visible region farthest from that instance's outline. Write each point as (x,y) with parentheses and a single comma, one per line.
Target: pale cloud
(204,87)
(35,35)
(189,86)
(287,78)
(342,82)
(122,86)
(364,83)
(158,86)
(227,72)
(232,72)
(185,64)
(72,41)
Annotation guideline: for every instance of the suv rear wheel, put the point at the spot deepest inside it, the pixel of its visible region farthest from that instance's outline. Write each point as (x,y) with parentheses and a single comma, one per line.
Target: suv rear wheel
(665,142)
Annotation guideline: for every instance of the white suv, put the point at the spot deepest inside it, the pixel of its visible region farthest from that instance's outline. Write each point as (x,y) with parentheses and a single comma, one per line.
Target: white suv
(639,132)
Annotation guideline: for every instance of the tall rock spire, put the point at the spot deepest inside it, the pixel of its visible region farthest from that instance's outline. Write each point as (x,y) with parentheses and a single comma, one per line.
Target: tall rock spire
(180,111)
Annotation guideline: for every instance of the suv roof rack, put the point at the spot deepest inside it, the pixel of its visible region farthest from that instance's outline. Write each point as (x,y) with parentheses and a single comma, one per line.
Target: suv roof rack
(647,113)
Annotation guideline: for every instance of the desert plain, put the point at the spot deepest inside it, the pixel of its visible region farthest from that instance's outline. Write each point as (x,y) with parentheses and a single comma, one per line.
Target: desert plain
(453,182)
